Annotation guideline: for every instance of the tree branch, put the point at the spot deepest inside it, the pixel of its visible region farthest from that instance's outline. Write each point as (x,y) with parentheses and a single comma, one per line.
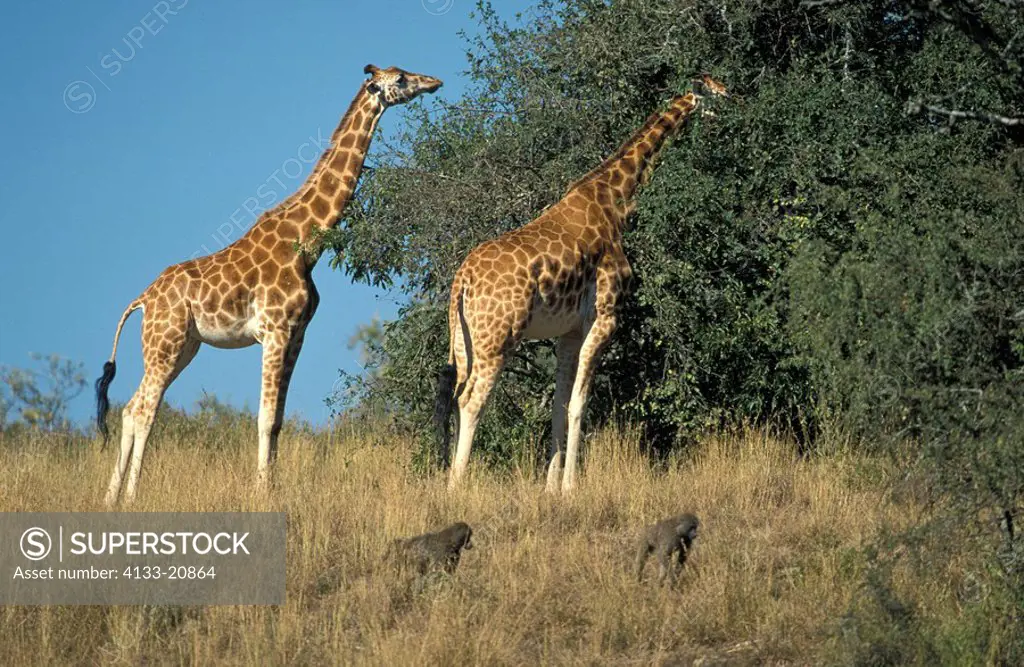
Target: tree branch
(917,106)
(809,4)
(847,50)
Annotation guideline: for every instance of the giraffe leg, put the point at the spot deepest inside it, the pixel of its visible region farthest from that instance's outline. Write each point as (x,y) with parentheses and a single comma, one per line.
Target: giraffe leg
(278,349)
(162,367)
(461,387)
(594,340)
(127,438)
(294,348)
(472,401)
(567,353)
(463,356)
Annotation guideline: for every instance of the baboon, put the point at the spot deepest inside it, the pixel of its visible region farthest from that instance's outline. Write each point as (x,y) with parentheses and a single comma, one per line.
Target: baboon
(432,551)
(674,535)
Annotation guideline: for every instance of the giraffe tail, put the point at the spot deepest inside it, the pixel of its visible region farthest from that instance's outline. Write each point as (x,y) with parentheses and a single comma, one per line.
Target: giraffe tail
(443,408)
(446,379)
(109,370)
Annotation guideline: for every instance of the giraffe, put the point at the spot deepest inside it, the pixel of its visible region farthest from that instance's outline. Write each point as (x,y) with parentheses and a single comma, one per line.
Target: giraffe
(259,289)
(564,275)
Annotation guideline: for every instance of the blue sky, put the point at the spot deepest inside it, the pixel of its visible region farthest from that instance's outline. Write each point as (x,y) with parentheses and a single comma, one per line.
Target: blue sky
(133,131)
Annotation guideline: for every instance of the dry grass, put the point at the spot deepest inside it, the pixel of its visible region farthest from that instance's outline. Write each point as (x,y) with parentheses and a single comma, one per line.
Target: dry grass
(778,564)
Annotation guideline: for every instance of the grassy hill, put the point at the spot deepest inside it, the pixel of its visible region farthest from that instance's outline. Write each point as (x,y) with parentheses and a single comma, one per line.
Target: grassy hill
(783,571)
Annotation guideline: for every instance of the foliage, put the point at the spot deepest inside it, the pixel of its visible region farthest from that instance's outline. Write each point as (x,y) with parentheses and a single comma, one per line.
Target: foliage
(840,249)
(831,140)
(916,328)
(368,340)
(40,397)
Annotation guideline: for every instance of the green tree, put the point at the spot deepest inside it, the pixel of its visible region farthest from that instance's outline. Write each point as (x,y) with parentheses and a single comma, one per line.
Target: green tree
(347,393)
(840,249)
(835,103)
(40,398)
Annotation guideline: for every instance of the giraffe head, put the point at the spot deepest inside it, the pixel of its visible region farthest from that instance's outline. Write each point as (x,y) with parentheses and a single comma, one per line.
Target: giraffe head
(705,85)
(396,86)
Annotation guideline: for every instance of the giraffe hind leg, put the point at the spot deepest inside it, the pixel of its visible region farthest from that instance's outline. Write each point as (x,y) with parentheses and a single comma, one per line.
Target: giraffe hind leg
(462,355)
(472,401)
(162,367)
(127,438)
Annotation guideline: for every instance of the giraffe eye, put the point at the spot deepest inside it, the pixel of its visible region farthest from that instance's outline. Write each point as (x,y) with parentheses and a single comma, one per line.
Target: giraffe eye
(400,81)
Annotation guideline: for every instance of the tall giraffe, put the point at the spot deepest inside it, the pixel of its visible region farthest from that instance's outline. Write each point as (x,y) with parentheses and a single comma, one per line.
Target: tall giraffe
(259,289)
(564,276)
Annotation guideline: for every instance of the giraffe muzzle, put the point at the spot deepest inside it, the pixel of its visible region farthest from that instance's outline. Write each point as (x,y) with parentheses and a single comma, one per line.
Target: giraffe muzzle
(431,84)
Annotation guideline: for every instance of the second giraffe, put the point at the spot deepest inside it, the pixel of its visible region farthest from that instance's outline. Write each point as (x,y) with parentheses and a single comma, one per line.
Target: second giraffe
(564,276)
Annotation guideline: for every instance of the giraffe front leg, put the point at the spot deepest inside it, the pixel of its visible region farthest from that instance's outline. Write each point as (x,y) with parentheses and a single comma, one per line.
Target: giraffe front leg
(276,374)
(594,341)
(567,354)
(294,348)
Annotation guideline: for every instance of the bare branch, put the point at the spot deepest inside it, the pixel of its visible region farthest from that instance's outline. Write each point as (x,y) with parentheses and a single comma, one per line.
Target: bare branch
(810,4)
(917,106)
(847,50)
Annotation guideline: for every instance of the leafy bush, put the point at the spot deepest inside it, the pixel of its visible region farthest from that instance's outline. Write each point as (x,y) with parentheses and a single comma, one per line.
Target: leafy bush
(838,251)
(810,161)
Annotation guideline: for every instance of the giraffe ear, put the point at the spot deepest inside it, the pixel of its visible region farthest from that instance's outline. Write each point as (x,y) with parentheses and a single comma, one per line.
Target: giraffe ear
(370,69)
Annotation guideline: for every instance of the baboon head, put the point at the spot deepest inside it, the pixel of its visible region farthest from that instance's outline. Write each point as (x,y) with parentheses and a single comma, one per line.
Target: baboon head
(687,529)
(396,86)
(461,535)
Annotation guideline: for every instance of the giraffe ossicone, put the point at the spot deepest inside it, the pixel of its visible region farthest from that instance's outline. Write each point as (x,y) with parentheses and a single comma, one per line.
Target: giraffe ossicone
(564,275)
(256,290)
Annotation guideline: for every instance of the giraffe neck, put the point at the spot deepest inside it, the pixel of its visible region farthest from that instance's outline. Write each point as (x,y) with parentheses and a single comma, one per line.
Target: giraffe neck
(322,198)
(630,166)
